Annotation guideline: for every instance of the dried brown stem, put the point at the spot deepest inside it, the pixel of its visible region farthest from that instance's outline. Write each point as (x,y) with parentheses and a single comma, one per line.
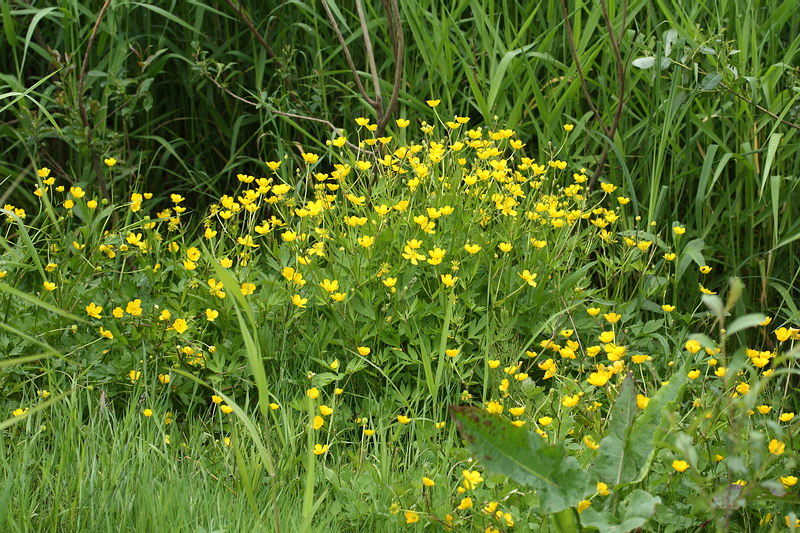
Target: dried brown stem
(574,51)
(398,49)
(82,107)
(763,110)
(373,69)
(620,83)
(337,131)
(384,113)
(244,17)
(347,55)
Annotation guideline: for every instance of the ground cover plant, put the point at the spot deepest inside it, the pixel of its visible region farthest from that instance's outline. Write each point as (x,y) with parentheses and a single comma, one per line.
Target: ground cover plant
(357,304)
(469,309)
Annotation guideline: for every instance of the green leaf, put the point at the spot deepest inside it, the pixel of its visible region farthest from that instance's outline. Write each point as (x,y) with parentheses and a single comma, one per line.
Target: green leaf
(743,322)
(524,456)
(651,426)
(635,511)
(614,464)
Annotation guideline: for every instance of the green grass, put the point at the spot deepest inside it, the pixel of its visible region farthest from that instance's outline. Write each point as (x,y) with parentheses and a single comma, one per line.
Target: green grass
(186,98)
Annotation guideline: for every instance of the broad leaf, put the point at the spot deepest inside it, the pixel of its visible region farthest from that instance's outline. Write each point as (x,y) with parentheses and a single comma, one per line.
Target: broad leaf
(613,464)
(635,511)
(524,456)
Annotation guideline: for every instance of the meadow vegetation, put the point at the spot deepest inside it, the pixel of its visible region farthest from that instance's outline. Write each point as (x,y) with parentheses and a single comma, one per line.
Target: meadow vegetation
(540,274)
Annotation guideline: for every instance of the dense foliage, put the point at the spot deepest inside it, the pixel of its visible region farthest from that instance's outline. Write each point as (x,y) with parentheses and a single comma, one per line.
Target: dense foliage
(215,266)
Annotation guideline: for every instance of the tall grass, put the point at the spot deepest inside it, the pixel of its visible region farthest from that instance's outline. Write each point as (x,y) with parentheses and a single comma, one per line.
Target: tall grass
(706,158)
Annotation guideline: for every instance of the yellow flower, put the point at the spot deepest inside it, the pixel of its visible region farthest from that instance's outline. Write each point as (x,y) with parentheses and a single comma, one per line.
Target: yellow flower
(545,421)
(147,412)
(310,158)
(448,279)
(471,478)
(133,308)
(94,310)
(668,308)
(583,505)
(134,375)
(642,401)
(505,246)
(570,401)
(43,172)
(180,326)
(494,408)
(110,161)
(19,412)
(590,442)
(402,123)
(164,379)
(593,311)
(465,504)
(705,269)
(528,277)
(516,411)
(319,449)
(612,318)
(428,482)
(216,399)
(679,230)
(411,517)
(766,322)
(472,249)
(227,409)
(493,363)
(330,286)
(106,334)
(783,334)
(433,103)
(366,241)
(299,301)
(451,352)
(786,417)
(325,410)
(211,314)
(313,393)
(274,406)
(363,350)
(248,289)
(764,409)
(569,127)
(705,291)
(693,374)
(49,286)
(776,447)
(670,256)
(680,466)
(318,422)
(692,346)
(403,419)
(602,489)
(788,481)
(598,379)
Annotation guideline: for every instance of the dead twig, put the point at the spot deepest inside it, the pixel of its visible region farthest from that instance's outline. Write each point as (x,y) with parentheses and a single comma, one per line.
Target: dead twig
(244,17)
(392,10)
(82,107)
(329,124)
(620,64)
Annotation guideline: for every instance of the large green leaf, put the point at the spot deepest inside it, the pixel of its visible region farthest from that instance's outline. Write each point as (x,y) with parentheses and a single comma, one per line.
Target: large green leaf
(613,464)
(524,456)
(635,511)
(627,450)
